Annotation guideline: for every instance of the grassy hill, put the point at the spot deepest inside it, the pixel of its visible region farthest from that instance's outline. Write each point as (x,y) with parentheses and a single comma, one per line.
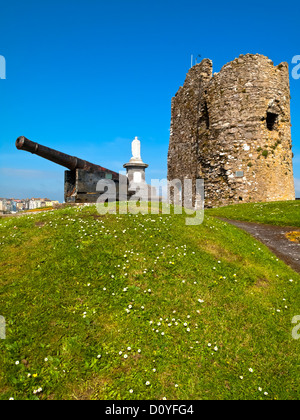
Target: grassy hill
(143,307)
(284,213)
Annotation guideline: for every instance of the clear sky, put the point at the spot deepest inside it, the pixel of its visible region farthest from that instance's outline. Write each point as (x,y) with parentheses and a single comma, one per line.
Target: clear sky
(86,77)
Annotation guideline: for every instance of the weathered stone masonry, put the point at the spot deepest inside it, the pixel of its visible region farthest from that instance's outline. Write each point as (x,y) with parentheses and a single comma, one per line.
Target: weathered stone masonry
(232,129)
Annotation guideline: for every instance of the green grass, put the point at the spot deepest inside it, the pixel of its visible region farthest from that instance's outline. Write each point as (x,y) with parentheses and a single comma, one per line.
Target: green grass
(284,213)
(201,312)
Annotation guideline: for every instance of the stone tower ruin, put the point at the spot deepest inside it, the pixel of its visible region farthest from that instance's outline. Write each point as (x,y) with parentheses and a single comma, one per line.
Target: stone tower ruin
(233,129)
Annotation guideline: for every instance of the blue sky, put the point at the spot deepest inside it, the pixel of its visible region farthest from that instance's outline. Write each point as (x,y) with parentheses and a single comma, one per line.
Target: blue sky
(86,77)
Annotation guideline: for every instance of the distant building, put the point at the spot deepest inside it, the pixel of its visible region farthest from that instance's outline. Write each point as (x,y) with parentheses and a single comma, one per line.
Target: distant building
(48,203)
(32,204)
(2,205)
(9,206)
(20,205)
(12,205)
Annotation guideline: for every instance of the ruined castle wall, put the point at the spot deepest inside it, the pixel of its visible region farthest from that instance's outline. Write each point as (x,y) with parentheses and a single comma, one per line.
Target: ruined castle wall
(186,106)
(233,130)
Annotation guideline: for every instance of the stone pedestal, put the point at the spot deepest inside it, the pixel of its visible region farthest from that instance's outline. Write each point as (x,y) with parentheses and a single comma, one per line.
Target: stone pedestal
(135,169)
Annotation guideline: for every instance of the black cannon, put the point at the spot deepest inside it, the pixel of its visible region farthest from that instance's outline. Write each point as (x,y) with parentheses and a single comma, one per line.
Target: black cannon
(82,177)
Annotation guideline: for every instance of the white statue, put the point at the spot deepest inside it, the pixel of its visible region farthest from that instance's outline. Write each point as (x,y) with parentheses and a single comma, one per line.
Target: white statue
(136,149)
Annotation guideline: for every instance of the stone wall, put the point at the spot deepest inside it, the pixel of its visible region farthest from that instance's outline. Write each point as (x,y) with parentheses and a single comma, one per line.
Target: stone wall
(232,129)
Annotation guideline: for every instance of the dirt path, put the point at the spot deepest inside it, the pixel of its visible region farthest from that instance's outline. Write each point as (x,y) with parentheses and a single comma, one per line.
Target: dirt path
(274,238)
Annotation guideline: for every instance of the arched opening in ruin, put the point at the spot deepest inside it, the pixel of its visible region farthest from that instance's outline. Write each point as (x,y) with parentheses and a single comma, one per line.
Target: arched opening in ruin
(271,120)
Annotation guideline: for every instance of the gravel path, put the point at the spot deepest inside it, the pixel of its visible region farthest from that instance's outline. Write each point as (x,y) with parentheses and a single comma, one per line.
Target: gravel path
(274,238)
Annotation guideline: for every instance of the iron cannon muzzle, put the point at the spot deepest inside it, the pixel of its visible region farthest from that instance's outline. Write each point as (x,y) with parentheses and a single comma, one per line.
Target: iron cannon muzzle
(22,143)
(70,162)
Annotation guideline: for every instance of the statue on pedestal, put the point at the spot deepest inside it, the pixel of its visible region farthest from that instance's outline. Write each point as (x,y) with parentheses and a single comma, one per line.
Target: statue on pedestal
(136,149)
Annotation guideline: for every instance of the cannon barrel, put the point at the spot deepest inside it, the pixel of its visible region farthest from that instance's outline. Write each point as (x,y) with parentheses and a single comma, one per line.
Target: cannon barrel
(70,162)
